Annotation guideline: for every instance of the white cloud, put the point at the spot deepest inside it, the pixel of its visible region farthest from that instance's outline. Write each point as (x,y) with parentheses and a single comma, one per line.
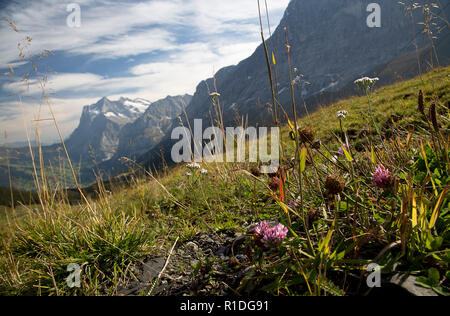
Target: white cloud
(130,44)
(197,37)
(25,117)
(122,28)
(53,84)
(102,26)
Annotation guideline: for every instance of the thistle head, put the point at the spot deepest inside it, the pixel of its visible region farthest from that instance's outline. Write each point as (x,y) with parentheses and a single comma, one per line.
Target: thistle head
(293,204)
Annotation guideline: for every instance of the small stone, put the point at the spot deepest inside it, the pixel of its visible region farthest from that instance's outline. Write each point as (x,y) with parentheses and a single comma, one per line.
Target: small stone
(408,282)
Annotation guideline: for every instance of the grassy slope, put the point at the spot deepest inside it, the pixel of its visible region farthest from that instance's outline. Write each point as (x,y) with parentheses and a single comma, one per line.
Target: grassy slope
(141,219)
(398,99)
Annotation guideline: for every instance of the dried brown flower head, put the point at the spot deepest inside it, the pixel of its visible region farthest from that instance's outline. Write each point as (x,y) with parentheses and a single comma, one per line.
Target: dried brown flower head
(306,135)
(421,103)
(433,117)
(335,184)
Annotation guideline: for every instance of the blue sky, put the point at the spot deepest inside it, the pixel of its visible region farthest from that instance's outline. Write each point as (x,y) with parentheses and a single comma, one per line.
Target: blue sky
(138,49)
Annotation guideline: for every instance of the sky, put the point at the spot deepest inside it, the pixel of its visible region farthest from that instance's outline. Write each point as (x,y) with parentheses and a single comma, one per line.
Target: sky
(138,49)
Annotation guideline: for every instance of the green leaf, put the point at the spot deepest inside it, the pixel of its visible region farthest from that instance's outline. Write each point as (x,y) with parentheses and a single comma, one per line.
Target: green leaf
(432,243)
(347,154)
(372,155)
(437,243)
(441,291)
(423,282)
(433,276)
(303,159)
(435,214)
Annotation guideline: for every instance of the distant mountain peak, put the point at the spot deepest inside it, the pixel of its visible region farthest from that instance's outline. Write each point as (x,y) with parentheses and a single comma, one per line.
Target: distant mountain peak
(125,109)
(101,123)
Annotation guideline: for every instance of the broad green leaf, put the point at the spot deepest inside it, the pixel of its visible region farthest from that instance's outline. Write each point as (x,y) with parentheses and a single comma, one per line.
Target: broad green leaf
(433,276)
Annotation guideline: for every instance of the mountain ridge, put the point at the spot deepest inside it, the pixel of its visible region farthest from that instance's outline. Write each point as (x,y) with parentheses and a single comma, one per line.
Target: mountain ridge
(100,124)
(96,140)
(331,46)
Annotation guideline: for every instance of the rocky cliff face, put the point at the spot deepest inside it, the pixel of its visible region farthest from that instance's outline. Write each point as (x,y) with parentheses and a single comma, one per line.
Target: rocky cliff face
(149,129)
(97,135)
(331,46)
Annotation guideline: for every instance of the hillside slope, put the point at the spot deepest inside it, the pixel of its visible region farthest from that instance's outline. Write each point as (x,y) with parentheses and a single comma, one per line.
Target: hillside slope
(341,215)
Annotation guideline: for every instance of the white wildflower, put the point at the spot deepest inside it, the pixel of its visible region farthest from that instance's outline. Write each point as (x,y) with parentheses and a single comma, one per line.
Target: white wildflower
(193,166)
(342,114)
(204,171)
(188,174)
(366,82)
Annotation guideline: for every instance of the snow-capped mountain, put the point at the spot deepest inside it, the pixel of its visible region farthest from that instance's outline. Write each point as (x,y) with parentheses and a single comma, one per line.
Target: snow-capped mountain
(97,135)
(140,136)
(118,111)
(112,129)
